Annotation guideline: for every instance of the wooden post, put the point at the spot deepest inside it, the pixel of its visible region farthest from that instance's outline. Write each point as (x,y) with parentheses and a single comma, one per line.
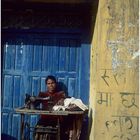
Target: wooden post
(22,127)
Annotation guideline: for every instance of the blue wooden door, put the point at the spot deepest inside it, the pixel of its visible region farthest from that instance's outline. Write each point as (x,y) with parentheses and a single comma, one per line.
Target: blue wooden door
(26,61)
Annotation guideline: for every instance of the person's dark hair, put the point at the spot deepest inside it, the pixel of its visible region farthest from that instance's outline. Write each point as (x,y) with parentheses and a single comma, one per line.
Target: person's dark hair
(50,77)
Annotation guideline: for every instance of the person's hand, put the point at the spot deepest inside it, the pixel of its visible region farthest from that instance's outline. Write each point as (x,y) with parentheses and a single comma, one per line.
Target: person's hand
(60,102)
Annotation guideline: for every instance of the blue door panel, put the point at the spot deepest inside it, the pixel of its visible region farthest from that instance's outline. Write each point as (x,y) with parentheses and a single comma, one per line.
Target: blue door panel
(45,58)
(71,86)
(27,62)
(37,57)
(15,126)
(63,55)
(9,53)
(84,73)
(43,86)
(29,56)
(16,91)
(55,60)
(7,93)
(19,57)
(4,123)
(72,57)
(35,85)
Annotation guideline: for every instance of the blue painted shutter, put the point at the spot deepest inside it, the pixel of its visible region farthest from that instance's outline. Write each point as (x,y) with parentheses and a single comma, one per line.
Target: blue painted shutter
(26,63)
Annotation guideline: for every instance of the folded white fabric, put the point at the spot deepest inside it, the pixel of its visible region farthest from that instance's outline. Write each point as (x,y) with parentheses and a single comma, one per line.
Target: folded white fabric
(70,101)
(80,104)
(59,108)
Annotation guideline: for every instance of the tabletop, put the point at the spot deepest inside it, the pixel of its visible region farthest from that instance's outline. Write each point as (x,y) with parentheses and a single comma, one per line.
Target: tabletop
(46,112)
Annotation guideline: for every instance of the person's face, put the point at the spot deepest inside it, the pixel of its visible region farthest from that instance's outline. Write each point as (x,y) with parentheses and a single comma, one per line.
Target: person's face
(51,85)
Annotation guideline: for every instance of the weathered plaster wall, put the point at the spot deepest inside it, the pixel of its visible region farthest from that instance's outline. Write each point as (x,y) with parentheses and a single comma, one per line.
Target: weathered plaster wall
(114,86)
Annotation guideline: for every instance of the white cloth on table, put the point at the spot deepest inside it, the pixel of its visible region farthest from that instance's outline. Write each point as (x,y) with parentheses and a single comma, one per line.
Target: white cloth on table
(71,101)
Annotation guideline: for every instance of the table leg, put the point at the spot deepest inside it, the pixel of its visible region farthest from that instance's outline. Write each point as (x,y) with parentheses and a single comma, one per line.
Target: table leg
(22,127)
(75,131)
(58,123)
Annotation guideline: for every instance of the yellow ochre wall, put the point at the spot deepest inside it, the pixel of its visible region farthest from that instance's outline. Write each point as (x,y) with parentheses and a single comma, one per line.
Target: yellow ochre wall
(114,75)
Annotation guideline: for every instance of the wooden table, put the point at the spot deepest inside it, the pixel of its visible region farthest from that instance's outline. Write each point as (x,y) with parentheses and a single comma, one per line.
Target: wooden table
(24,111)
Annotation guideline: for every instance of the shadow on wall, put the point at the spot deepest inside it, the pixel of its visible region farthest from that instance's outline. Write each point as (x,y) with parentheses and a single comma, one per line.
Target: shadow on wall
(84,131)
(62,87)
(7,137)
(86,128)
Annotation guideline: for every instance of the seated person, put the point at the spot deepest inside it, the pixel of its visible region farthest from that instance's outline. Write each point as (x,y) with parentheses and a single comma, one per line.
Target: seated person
(53,96)
(70,126)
